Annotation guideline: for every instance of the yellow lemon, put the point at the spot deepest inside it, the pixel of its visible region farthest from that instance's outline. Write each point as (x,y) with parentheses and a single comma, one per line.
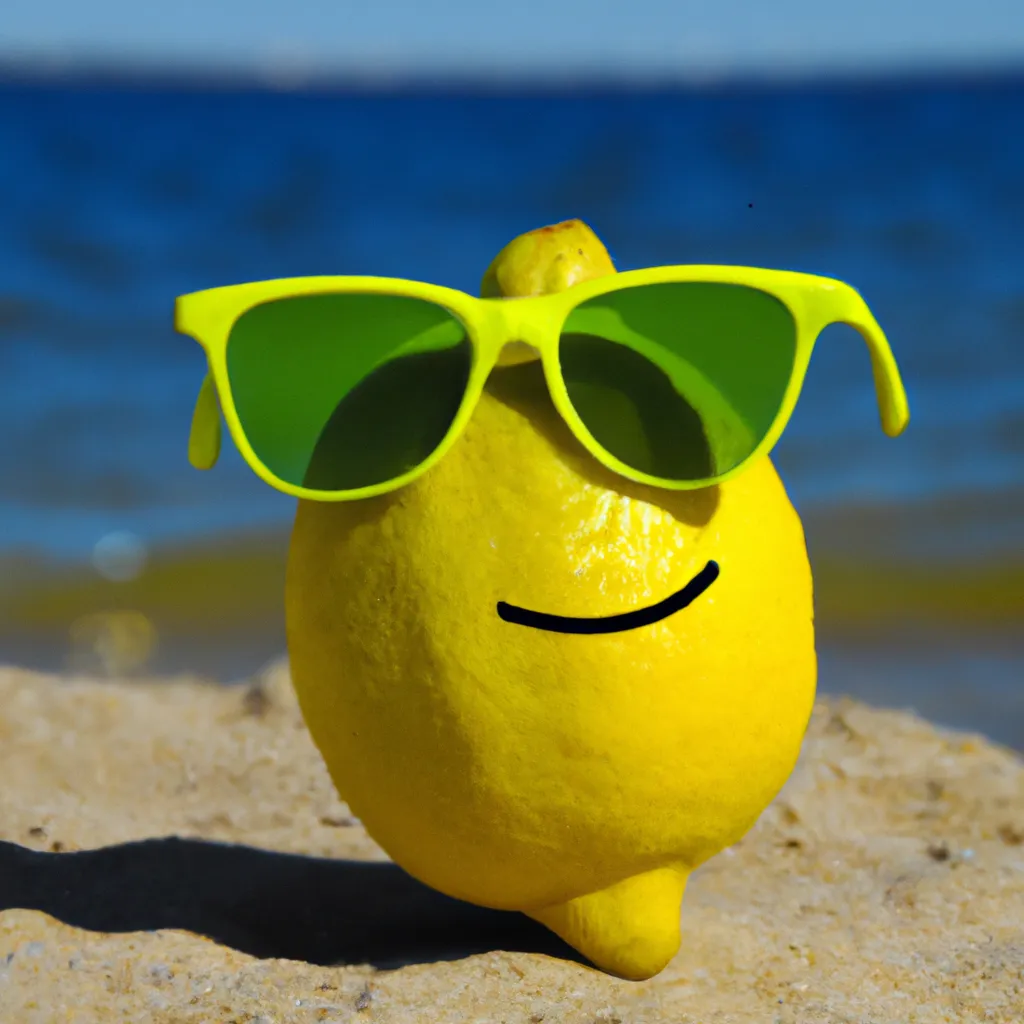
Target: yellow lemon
(577,777)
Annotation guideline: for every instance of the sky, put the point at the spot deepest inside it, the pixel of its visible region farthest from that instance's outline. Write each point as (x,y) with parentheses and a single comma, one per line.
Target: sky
(552,38)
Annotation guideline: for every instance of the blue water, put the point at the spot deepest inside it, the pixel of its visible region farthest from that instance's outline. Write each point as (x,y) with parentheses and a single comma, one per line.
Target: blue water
(116,200)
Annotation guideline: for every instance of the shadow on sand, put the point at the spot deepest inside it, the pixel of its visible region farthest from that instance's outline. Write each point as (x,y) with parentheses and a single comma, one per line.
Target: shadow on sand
(264,903)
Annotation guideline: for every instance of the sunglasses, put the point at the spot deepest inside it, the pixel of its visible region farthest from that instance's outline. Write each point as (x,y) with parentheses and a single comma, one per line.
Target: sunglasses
(337,388)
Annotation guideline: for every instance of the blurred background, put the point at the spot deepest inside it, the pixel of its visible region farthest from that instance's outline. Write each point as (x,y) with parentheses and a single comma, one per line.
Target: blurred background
(147,153)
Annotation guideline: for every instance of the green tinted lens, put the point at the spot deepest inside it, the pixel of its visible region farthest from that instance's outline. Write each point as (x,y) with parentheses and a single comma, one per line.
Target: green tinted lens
(337,392)
(682,380)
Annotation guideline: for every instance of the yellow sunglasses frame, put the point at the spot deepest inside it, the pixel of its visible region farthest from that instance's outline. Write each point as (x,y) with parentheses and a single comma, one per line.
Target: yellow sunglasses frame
(492,323)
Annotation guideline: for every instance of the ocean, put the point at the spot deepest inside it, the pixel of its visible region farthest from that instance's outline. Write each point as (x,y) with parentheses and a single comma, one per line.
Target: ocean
(119,196)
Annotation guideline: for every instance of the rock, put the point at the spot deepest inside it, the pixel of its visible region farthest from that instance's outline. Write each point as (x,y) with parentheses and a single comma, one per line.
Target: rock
(886,883)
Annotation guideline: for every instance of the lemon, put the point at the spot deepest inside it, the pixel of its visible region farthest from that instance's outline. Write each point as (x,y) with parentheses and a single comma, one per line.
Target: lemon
(579,778)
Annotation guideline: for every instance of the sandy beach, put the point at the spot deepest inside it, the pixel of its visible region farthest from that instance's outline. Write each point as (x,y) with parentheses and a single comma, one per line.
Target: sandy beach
(173,851)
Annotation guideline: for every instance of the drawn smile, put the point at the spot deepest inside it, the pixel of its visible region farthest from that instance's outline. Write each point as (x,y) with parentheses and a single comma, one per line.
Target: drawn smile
(613,623)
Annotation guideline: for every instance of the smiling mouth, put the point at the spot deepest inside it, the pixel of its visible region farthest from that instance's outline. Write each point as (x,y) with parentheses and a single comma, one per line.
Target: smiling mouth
(613,623)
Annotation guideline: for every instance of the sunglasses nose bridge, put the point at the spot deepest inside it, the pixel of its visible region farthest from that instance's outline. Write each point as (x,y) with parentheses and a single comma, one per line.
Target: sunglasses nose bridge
(533,329)
(515,334)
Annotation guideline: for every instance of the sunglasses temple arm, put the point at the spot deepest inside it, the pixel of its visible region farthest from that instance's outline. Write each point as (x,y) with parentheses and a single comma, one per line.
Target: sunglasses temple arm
(892,397)
(204,438)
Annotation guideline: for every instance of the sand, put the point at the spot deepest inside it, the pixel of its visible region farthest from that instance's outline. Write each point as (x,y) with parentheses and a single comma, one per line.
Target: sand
(886,883)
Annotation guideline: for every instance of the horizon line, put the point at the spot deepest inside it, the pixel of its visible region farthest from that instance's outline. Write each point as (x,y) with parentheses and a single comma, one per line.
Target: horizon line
(185,76)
